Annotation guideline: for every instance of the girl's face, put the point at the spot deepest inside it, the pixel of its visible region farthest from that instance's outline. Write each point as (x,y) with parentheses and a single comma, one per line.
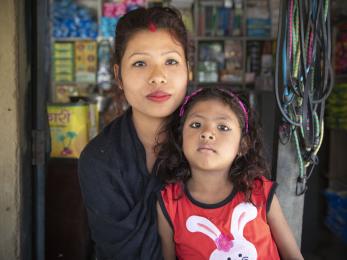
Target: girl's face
(211,136)
(154,73)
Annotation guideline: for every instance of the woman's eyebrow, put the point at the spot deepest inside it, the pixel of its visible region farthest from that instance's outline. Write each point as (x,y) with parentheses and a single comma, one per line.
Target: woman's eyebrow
(138,53)
(169,52)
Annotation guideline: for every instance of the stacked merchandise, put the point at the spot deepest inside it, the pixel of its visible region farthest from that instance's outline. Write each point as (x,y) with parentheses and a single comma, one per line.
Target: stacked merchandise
(259,64)
(341,50)
(258,18)
(275,13)
(85,61)
(111,13)
(63,62)
(233,62)
(72,126)
(104,74)
(74,61)
(72,20)
(337,107)
(336,219)
(211,60)
(220,18)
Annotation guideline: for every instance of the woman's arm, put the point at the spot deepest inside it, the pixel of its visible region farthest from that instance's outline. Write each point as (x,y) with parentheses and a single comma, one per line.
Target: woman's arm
(281,232)
(166,235)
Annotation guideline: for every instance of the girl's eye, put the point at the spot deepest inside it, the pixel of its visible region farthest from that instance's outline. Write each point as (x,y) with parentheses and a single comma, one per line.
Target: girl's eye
(139,64)
(195,125)
(223,128)
(171,62)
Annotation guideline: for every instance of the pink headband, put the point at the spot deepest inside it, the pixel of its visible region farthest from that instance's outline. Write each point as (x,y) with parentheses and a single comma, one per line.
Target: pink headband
(194,93)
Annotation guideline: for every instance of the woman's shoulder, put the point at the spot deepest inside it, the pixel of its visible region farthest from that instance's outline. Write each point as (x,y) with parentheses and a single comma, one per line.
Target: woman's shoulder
(102,145)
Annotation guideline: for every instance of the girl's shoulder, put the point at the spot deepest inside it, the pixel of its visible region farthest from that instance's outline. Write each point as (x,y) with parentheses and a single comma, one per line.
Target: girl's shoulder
(263,184)
(172,191)
(263,191)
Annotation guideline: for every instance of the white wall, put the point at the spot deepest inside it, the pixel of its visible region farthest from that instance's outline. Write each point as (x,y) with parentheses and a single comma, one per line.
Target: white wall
(12,89)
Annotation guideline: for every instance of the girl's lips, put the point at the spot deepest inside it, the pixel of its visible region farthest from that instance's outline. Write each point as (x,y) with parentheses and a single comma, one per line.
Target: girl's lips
(158,96)
(204,148)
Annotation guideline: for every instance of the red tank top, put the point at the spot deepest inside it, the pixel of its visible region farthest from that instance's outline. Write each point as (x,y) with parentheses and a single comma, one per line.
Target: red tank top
(231,229)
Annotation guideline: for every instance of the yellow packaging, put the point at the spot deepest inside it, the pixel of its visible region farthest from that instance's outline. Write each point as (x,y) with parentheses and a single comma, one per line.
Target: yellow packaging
(63,54)
(63,62)
(63,77)
(69,125)
(64,92)
(63,46)
(93,123)
(63,69)
(85,61)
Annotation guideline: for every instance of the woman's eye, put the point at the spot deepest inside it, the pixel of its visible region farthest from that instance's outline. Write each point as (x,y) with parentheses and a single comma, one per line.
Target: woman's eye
(223,128)
(171,62)
(195,125)
(139,64)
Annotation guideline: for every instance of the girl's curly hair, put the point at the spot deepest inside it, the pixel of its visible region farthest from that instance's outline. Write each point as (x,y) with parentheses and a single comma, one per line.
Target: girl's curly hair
(247,167)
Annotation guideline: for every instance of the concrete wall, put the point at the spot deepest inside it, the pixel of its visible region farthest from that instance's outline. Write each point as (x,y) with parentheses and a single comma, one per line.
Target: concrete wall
(287,174)
(12,88)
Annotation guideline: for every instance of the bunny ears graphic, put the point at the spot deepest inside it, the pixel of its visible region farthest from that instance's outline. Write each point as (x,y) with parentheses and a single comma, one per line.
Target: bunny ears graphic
(242,214)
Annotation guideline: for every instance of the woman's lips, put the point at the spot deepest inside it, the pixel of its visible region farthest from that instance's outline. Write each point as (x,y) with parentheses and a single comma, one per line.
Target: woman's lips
(158,96)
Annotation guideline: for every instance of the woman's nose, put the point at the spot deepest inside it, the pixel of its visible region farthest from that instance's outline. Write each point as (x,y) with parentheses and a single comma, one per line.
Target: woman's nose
(207,136)
(157,76)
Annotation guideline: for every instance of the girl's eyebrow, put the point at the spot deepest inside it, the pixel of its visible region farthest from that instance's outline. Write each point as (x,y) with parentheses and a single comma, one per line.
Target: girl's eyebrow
(219,117)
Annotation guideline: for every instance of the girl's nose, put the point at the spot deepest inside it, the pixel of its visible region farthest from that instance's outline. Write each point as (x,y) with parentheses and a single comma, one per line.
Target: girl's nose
(158,76)
(207,136)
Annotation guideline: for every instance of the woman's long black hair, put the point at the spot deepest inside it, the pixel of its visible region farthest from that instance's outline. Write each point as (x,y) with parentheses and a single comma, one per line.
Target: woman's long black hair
(248,166)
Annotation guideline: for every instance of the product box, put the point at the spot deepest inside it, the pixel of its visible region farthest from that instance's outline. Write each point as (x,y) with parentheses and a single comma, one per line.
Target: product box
(63,62)
(85,61)
(69,125)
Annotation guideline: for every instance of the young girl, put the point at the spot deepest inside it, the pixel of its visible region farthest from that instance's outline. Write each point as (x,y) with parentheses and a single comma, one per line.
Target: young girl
(218,204)
(119,192)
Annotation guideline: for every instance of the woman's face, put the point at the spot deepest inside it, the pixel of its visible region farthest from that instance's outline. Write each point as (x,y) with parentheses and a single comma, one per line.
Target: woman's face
(154,73)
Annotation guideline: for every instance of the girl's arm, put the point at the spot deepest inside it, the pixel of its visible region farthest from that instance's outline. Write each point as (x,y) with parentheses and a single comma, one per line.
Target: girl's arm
(281,232)
(166,235)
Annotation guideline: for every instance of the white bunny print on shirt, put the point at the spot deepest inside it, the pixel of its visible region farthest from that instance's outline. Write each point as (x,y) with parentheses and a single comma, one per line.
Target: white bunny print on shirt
(237,249)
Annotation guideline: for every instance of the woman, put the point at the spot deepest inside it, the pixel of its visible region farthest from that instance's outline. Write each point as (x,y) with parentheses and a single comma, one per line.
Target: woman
(115,168)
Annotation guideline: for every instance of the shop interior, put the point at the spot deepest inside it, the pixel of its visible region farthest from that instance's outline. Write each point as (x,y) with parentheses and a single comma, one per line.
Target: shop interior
(235,44)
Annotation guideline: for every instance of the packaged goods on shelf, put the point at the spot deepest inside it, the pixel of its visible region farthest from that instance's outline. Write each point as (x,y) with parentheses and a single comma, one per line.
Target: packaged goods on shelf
(71,127)
(258,18)
(72,20)
(64,92)
(336,219)
(104,74)
(85,61)
(207,71)
(336,116)
(111,12)
(211,60)
(216,19)
(233,62)
(341,50)
(63,62)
